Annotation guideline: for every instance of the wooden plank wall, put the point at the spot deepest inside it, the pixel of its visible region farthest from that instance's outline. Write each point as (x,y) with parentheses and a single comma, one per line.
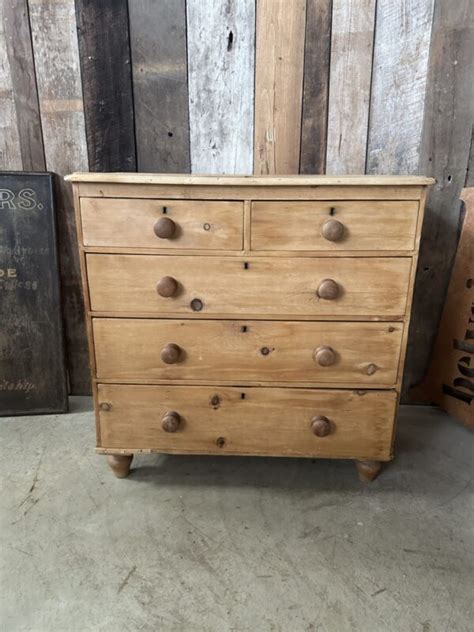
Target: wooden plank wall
(242,86)
(160,84)
(221,42)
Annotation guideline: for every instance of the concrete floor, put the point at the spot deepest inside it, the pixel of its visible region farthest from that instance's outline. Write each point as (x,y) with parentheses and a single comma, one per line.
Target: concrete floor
(201,543)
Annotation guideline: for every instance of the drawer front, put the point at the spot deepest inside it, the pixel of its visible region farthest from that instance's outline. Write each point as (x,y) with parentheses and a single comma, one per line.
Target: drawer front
(333,226)
(128,223)
(247,351)
(261,421)
(254,286)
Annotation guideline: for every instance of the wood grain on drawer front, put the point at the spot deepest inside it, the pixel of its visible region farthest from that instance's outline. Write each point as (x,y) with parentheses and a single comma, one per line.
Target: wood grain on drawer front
(366,225)
(260,421)
(251,286)
(130,223)
(247,351)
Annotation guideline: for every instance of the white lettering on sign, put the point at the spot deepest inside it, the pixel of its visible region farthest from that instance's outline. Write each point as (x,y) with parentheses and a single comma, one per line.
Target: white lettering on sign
(10,273)
(23,200)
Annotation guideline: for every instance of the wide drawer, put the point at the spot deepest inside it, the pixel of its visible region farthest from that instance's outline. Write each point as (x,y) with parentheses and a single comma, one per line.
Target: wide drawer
(260,421)
(289,287)
(247,351)
(333,226)
(188,224)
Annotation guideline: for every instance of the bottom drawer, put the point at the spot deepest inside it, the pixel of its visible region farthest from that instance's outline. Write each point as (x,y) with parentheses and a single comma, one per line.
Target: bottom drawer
(258,421)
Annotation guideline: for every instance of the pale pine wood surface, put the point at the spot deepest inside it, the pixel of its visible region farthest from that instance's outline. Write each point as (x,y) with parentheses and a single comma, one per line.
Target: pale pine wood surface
(287,286)
(247,351)
(261,319)
(367,225)
(257,181)
(235,191)
(265,421)
(278,85)
(129,223)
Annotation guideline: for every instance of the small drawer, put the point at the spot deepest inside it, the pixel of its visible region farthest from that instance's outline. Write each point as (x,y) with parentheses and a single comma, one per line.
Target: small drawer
(334,226)
(259,421)
(162,224)
(263,286)
(247,351)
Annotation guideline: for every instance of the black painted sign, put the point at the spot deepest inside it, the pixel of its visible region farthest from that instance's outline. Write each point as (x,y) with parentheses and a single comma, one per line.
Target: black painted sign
(32,360)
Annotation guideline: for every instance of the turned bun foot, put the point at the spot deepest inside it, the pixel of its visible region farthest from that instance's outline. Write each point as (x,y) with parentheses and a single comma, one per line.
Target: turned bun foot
(120,464)
(368,470)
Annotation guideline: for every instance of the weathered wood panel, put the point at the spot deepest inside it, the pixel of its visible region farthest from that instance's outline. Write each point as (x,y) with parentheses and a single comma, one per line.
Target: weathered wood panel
(107,84)
(160,88)
(449,113)
(32,368)
(221,42)
(56,55)
(449,381)
(279,85)
(10,154)
(401,50)
(316,86)
(22,69)
(470,166)
(349,85)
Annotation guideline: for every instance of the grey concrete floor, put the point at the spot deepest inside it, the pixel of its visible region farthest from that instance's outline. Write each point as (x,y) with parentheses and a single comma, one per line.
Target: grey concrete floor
(201,543)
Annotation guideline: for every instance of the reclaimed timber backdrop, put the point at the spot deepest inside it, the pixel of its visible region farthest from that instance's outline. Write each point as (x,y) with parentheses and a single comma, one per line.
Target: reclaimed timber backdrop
(242,86)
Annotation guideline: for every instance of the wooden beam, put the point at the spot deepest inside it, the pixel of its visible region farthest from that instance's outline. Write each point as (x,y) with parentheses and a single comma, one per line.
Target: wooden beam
(400,68)
(160,84)
(10,148)
(349,85)
(107,84)
(221,38)
(53,26)
(279,85)
(446,142)
(25,93)
(316,86)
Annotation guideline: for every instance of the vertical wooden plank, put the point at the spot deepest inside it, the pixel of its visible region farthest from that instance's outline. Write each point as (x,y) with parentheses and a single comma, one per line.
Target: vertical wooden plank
(470,165)
(349,85)
(315,86)
(221,35)
(160,84)
(56,54)
(10,153)
(107,84)
(279,85)
(446,140)
(22,69)
(401,51)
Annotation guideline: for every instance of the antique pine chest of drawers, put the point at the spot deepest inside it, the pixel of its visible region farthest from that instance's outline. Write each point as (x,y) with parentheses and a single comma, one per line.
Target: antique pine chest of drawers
(248,315)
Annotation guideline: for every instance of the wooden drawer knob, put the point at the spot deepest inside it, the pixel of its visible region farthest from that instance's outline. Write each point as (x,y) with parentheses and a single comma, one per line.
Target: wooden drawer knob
(170,353)
(324,356)
(165,228)
(332,230)
(328,290)
(167,287)
(170,421)
(320,426)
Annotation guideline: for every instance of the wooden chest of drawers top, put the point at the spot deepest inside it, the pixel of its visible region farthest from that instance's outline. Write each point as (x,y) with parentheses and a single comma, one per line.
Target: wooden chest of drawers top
(234,292)
(304,214)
